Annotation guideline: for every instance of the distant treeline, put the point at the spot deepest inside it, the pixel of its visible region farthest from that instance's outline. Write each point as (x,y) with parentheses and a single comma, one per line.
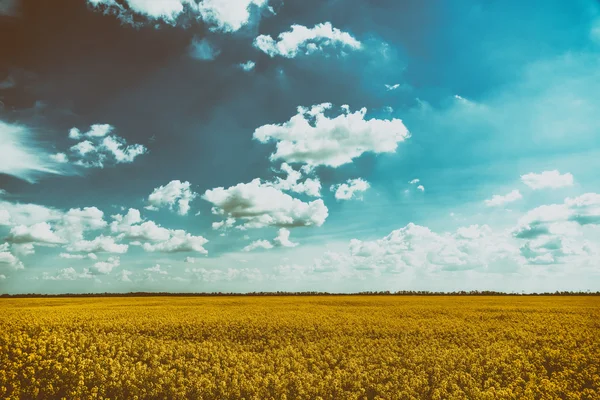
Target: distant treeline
(375,293)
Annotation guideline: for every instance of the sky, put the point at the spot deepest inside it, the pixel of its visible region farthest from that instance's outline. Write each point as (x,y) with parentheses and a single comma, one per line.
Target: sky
(268,145)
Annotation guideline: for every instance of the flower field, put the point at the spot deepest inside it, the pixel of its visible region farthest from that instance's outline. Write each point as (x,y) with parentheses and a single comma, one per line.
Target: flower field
(313,347)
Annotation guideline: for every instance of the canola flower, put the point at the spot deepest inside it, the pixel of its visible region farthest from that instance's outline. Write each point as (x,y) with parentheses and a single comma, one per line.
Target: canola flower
(372,347)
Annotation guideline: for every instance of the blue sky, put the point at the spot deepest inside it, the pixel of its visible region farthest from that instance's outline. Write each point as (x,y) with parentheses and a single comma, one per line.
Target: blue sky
(257,145)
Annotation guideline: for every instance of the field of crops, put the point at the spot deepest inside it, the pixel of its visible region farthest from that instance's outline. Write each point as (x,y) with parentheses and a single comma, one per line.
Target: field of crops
(371,347)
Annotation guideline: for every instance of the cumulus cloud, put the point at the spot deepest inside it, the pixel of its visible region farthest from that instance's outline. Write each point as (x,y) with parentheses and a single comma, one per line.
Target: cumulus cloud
(414,181)
(259,204)
(228,15)
(392,87)
(95,131)
(7,259)
(68,274)
(220,15)
(283,238)
(60,158)
(248,65)
(203,49)
(557,218)
(421,188)
(70,256)
(34,224)
(100,244)
(230,274)
(500,200)
(175,194)
(224,224)
(105,267)
(417,248)
(156,269)
(74,223)
(547,179)
(258,244)
(40,233)
(27,214)
(122,152)
(98,146)
(310,186)
(165,10)
(347,191)
(21,157)
(4,217)
(302,40)
(124,275)
(131,226)
(179,241)
(312,138)
(554,233)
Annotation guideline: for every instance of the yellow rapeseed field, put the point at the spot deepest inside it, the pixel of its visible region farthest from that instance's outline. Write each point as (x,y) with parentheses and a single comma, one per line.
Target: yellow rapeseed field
(328,347)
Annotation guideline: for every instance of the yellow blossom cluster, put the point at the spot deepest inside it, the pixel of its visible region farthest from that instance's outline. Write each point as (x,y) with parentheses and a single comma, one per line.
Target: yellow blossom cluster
(313,347)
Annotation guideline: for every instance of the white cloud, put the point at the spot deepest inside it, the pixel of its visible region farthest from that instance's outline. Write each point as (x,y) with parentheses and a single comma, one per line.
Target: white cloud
(7,259)
(418,249)
(283,238)
(2,277)
(230,274)
(165,10)
(174,193)
(347,191)
(220,15)
(314,139)
(105,267)
(228,15)
(124,275)
(131,226)
(392,87)
(546,219)
(4,217)
(122,152)
(83,148)
(40,233)
(421,188)
(547,179)
(310,186)
(156,269)
(99,148)
(75,222)
(499,200)
(100,244)
(303,40)
(180,241)
(203,49)
(96,131)
(258,244)
(70,256)
(20,156)
(190,260)
(248,65)
(27,214)
(147,230)
(68,274)
(414,181)
(259,205)
(224,224)
(60,158)
(23,249)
